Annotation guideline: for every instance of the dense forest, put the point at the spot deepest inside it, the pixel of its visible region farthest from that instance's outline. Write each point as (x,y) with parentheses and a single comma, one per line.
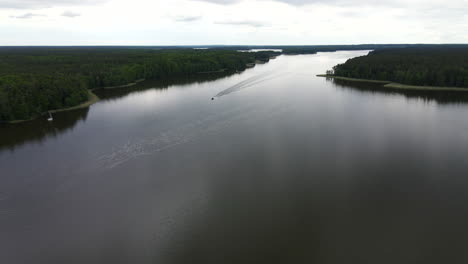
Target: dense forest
(445,66)
(330,48)
(35,80)
(313,49)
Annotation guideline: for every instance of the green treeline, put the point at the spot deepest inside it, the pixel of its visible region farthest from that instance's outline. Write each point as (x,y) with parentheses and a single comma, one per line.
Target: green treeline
(423,66)
(331,48)
(24,95)
(35,80)
(313,49)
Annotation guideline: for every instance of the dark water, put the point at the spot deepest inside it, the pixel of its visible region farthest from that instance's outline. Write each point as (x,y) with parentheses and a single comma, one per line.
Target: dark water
(282,167)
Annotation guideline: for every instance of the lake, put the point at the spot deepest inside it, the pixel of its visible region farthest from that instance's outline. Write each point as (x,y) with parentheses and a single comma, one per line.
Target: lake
(281,167)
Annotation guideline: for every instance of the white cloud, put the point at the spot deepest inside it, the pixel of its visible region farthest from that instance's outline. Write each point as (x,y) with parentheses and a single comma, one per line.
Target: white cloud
(394,3)
(249,23)
(28,15)
(35,4)
(70,14)
(187,18)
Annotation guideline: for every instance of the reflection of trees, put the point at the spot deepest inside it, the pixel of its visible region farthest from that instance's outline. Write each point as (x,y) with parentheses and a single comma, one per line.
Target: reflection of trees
(112,94)
(440,97)
(14,135)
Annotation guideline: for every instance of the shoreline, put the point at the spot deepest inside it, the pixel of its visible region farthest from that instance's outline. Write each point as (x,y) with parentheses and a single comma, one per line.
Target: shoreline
(394,85)
(92,99)
(353,79)
(125,85)
(208,72)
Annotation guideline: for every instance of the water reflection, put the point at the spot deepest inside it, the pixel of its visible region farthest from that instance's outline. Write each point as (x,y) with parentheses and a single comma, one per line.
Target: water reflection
(252,219)
(117,93)
(428,96)
(390,210)
(39,130)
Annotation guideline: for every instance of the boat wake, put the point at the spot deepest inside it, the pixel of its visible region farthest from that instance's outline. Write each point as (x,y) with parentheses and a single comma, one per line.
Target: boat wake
(171,138)
(206,127)
(248,83)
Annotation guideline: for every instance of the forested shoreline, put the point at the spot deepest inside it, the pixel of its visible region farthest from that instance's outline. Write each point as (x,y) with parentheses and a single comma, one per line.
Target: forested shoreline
(313,49)
(419,66)
(36,80)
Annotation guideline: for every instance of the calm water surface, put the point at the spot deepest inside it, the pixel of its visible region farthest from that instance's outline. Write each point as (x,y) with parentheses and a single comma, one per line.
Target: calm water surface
(282,167)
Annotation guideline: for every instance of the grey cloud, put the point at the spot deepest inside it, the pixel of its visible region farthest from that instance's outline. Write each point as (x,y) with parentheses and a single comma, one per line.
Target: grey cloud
(34,4)
(220,2)
(327,2)
(28,15)
(340,2)
(292,2)
(70,14)
(242,23)
(187,18)
(435,9)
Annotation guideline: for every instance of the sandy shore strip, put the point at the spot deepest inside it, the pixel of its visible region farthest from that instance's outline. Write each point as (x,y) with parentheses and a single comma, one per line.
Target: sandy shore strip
(393,85)
(92,98)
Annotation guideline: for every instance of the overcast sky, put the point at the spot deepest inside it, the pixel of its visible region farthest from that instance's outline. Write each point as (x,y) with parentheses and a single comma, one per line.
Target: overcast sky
(245,22)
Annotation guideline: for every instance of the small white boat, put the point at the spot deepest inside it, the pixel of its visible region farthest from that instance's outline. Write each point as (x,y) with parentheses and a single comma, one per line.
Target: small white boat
(50,117)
